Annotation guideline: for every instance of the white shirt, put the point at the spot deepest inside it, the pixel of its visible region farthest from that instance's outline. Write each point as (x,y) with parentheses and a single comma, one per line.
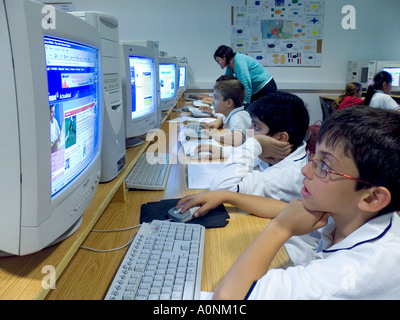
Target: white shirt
(237,120)
(383,101)
(244,172)
(362,266)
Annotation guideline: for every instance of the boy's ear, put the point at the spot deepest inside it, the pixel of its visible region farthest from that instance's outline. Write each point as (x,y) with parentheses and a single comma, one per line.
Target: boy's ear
(281,136)
(375,199)
(230,103)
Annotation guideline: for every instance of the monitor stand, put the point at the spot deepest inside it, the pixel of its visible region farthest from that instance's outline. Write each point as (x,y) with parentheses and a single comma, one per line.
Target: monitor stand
(133,142)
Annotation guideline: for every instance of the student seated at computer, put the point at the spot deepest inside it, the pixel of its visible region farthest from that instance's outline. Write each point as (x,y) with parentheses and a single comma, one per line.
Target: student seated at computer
(228,101)
(351,190)
(350,97)
(266,165)
(269,163)
(210,99)
(378,93)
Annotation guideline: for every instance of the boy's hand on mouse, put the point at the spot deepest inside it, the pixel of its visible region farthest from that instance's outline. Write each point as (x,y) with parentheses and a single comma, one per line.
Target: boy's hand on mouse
(296,220)
(273,148)
(215,151)
(206,110)
(206,201)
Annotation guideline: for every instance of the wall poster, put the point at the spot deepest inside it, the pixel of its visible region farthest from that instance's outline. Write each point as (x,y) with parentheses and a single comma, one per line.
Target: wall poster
(284,33)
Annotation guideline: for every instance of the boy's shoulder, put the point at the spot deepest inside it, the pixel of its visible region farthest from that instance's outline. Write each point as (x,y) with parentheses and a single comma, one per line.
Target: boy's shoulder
(238,112)
(382,228)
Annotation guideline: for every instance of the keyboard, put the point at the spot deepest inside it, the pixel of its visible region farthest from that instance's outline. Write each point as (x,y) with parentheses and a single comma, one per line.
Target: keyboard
(147,176)
(164,262)
(195,112)
(200,103)
(193,131)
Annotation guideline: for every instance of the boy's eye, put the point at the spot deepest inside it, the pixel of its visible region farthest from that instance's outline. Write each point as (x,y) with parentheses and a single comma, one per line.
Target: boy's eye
(324,166)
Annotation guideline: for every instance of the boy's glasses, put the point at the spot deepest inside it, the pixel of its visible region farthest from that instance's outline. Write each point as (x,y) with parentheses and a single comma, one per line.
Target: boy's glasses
(320,169)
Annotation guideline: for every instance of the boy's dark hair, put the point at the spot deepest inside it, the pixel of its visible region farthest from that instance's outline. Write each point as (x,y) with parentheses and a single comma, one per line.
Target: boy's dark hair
(282,112)
(231,89)
(371,137)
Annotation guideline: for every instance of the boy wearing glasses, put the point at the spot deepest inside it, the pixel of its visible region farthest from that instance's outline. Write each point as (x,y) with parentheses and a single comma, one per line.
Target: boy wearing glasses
(351,188)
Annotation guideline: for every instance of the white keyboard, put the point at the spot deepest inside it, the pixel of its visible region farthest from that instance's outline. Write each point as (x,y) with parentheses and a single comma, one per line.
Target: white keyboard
(193,131)
(195,112)
(164,262)
(148,176)
(199,103)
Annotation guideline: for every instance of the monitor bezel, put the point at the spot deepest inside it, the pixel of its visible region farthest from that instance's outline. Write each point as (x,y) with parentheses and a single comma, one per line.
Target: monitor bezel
(168,103)
(140,125)
(43,219)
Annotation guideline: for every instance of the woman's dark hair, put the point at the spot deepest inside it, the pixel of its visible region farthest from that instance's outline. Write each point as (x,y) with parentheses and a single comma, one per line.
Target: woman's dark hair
(283,112)
(377,84)
(224,51)
(371,137)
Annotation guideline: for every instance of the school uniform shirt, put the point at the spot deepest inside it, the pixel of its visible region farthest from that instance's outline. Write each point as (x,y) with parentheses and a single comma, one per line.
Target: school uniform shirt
(249,72)
(383,101)
(364,265)
(237,120)
(244,172)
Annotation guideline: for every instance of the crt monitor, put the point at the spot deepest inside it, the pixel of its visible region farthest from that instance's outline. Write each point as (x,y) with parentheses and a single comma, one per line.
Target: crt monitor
(393,67)
(395,72)
(182,77)
(50,164)
(139,90)
(168,71)
(153,45)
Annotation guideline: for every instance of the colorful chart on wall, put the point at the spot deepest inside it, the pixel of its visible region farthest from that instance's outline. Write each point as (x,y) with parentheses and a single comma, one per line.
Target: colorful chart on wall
(279,32)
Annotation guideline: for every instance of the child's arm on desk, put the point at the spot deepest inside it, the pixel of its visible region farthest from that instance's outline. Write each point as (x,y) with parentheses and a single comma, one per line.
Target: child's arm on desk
(225,136)
(216,124)
(255,261)
(259,206)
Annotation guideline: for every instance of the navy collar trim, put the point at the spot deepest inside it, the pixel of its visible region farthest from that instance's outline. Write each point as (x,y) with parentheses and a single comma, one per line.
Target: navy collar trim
(362,242)
(301,158)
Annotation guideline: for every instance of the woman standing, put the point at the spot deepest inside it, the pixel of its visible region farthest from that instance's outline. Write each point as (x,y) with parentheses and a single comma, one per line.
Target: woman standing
(256,79)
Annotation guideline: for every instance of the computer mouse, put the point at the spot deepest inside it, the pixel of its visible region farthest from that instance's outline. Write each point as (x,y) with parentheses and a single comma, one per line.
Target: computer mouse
(178,216)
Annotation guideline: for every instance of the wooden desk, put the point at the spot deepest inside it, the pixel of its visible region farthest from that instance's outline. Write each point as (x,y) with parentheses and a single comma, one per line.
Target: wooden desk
(83,274)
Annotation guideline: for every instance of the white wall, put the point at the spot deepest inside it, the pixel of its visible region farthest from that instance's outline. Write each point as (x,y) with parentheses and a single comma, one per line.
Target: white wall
(195,28)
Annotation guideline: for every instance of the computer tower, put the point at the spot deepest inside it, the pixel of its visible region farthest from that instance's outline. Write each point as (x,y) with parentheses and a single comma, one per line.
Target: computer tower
(357,71)
(113,156)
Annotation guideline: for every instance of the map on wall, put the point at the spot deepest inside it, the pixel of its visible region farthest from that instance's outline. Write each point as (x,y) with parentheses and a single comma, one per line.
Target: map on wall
(279,32)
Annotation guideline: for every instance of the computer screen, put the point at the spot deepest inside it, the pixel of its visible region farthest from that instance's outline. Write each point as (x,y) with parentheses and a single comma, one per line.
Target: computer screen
(51,160)
(142,85)
(139,89)
(168,75)
(182,77)
(395,72)
(167,80)
(393,67)
(72,79)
